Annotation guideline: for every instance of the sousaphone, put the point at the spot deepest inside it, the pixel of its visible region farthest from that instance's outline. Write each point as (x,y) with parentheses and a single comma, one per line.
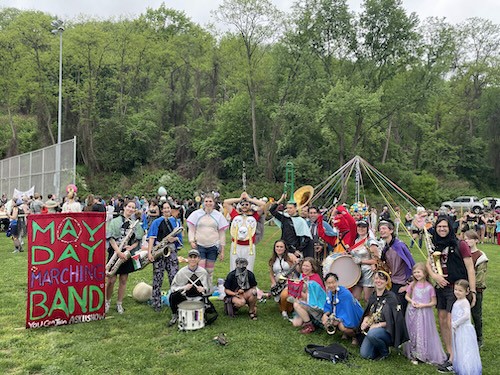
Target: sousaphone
(303,195)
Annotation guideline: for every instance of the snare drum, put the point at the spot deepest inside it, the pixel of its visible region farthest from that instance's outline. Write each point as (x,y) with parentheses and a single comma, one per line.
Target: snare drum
(191,315)
(347,271)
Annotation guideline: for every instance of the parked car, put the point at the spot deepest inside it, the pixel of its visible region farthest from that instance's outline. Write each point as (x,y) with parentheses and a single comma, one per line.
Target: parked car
(487,202)
(465,203)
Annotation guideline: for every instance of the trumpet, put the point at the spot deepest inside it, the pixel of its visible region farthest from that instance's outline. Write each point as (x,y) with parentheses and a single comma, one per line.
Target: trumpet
(433,255)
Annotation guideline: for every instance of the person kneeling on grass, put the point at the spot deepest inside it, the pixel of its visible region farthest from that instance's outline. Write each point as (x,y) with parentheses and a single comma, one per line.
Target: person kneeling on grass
(190,282)
(240,289)
(311,298)
(342,310)
(383,322)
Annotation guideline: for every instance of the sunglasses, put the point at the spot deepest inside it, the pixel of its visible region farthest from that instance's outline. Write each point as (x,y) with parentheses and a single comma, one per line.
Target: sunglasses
(382,275)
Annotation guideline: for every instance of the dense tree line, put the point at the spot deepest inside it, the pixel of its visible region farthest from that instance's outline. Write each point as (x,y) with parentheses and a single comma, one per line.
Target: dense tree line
(419,99)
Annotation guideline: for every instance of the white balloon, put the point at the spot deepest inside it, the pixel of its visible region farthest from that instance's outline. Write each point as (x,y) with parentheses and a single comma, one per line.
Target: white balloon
(162,191)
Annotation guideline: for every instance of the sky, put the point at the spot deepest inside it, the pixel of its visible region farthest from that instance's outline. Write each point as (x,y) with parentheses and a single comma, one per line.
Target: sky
(455,11)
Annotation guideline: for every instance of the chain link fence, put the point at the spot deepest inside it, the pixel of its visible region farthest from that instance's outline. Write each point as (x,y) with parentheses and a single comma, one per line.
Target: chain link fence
(38,168)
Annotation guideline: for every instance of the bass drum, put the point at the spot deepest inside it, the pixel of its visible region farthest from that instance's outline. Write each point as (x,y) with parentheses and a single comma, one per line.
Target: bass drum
(348,272)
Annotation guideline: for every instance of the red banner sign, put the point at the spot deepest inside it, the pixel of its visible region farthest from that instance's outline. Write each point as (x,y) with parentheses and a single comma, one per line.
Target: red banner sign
(66,268)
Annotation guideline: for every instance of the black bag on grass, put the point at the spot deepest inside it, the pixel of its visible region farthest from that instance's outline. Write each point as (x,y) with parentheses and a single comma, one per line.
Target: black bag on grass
(333,352)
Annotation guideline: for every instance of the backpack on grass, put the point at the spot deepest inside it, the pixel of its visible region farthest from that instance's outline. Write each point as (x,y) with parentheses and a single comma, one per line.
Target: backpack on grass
(333,352)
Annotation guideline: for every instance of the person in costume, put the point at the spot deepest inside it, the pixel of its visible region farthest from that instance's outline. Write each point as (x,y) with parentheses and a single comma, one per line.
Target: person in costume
(243,228)
(294,229)
(323,235)
(240,287)
(311,297)
(456,263)
(282,263)
(383,322)
(116,230)
(346,226)
(191,282)
(341,309)
(466,358)
(207,233)
(480,261)
(71,205)
(160,229)
(398,258)
(425,344)
(361,253)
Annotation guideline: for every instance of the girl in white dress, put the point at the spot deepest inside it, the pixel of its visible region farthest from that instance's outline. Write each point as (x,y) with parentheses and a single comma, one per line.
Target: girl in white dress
(466,359)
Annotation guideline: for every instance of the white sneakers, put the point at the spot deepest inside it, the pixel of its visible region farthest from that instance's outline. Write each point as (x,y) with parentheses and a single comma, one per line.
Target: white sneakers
(119,308)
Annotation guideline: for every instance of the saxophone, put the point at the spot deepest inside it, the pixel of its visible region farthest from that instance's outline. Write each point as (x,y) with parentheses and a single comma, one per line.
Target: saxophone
(115,262)
(433,255)
(374,317)
(164,247)
(161,248)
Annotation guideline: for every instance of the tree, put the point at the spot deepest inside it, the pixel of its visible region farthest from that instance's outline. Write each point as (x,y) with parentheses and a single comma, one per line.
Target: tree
(257,23)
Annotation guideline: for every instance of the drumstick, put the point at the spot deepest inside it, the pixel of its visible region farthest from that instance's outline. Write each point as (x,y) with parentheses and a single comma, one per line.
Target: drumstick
(192,282)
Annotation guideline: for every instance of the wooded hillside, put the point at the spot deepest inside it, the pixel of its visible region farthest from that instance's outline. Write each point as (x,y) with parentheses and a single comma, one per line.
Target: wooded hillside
(419,99)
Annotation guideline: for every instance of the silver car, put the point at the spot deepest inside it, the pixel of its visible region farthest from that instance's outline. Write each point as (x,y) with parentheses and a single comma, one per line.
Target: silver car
(465,203)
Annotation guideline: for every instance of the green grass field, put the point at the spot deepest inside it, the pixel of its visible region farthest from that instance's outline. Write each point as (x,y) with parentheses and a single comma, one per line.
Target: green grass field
(140,342)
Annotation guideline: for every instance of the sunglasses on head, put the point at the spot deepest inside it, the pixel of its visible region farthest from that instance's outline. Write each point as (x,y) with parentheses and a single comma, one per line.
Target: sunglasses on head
(382,275)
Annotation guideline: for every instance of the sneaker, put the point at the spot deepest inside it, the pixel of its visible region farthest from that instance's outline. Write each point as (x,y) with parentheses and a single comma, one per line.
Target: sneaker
(107,304)
(284,314)
(15,251)
(119,308)
(446,367)
(174,319)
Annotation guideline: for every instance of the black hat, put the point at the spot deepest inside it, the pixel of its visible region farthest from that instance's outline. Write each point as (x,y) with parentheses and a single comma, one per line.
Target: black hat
(362,223)
(388,222)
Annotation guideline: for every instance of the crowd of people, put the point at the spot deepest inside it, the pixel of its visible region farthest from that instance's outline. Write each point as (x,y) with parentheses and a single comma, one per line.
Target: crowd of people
(398,294)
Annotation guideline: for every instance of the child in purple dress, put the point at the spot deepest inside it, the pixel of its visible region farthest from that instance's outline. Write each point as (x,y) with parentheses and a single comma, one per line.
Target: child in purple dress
(425,344)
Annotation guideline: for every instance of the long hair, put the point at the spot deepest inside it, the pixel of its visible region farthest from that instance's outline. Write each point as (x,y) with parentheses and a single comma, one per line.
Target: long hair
(286,258)
(420,266)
